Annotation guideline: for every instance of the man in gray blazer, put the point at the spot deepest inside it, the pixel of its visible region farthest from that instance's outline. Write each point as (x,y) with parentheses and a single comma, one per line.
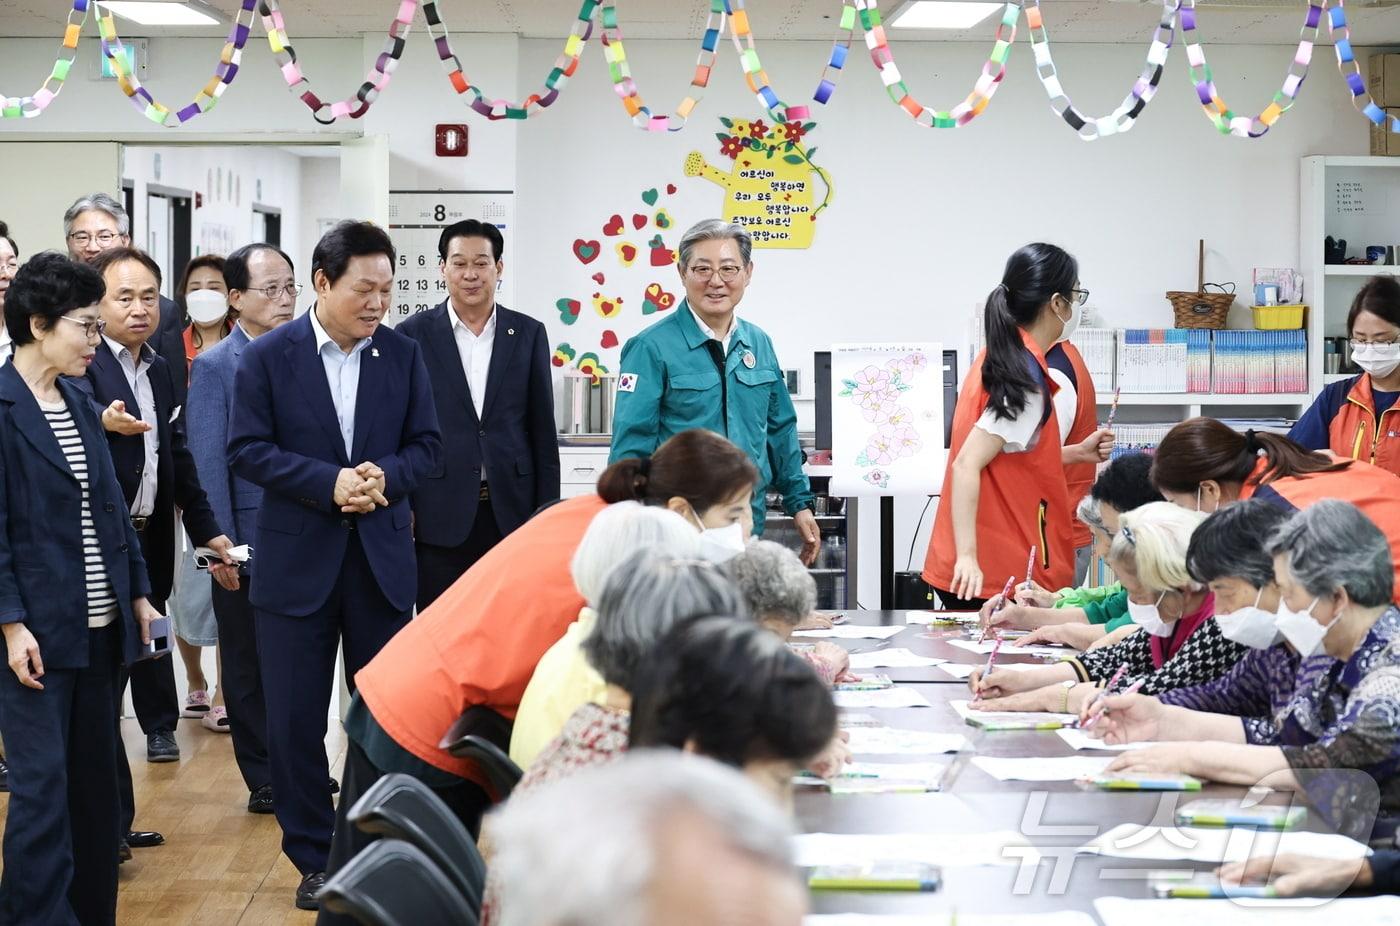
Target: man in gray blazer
(262,289)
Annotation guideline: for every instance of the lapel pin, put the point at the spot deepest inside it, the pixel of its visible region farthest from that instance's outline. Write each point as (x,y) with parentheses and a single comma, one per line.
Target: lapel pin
(510,331)
(374,352)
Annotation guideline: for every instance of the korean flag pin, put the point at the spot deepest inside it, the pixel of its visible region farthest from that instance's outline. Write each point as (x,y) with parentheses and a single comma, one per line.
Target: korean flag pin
(749,360)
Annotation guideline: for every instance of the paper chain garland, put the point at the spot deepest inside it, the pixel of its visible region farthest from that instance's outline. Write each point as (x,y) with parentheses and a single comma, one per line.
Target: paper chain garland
(30,106)
(375,81)
(605,11)
(1122,118)
(1224,118)
(149,106)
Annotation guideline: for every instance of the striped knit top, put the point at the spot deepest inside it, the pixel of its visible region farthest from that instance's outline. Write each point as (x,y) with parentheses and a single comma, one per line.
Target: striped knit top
(101,599)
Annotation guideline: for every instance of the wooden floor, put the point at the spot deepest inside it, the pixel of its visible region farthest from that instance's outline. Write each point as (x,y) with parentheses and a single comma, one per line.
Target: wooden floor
(220,865)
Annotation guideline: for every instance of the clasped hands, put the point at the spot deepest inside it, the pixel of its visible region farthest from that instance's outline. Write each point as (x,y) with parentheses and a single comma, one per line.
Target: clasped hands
(360,490)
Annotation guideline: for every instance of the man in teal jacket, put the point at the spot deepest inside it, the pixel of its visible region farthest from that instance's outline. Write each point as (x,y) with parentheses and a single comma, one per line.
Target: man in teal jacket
(702,367)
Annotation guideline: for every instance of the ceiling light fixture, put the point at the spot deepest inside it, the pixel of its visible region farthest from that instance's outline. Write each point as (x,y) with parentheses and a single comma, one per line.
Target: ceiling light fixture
(941,14)
(163,12)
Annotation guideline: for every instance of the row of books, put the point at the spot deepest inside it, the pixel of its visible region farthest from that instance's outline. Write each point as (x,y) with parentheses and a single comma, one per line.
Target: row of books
(1136,437)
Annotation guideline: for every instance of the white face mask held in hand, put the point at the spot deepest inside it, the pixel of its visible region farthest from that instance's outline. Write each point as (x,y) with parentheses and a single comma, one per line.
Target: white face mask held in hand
(206,306)
(1149,618)
(1377,359)
(1301,630)
(1250,626)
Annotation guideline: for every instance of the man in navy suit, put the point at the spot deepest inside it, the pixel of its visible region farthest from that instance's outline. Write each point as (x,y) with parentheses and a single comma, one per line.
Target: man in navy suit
(334,419)
(495,402)
(262,288)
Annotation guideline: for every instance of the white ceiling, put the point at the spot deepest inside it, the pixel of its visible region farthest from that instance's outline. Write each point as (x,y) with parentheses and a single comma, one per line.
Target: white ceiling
(1274,22)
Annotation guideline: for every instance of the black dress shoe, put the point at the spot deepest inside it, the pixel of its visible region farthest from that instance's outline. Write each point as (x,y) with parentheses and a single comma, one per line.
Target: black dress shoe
(307,890)
(260,801)
(161,747)
(123,852)
(144,840)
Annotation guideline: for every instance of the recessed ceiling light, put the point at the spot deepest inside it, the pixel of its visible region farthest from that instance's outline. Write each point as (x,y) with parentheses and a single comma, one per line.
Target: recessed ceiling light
(942,14)
(159,13)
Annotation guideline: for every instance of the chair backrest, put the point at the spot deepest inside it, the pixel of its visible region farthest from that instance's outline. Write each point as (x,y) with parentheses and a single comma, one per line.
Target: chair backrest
(480,720)
(392,883)
(503,773)
(400,806)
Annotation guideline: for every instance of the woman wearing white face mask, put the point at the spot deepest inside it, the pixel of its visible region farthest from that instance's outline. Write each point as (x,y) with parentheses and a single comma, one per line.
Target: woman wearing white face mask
(1334,571)
(203,295)
(1357,418)
(1178,644)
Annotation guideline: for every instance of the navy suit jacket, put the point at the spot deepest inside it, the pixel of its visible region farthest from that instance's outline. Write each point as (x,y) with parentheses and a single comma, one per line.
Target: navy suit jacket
(177,482)
(43,578)
(284,437)
(515,439)
(233,499)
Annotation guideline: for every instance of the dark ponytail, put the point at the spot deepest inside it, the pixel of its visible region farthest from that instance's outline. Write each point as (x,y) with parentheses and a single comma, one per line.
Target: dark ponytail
(696,465)
(1203,448)
(1032,276)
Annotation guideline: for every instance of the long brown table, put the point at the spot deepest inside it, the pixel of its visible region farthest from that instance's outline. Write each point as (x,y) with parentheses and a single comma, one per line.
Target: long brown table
(973,801)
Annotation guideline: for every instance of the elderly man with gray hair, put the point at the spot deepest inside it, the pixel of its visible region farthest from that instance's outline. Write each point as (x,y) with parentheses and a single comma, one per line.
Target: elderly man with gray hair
(703,367)
(661,837)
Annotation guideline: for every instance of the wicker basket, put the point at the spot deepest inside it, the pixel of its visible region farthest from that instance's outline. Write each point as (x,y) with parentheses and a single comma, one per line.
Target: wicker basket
(1203,308)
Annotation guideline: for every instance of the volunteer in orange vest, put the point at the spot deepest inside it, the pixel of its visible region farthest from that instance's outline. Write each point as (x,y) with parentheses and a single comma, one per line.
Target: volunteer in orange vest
(1005,490)
(1202,464)
(1357,418)
(1078,402)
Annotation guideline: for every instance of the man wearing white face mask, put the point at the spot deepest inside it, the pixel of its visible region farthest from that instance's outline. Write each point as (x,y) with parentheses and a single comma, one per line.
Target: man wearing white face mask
(1357,418)
(1334,574)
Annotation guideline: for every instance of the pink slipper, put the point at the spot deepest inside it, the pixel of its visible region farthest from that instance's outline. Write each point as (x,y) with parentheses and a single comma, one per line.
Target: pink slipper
(196,704)
(216,720)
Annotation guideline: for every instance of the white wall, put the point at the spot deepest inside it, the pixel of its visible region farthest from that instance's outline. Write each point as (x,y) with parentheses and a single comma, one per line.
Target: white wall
(319,202)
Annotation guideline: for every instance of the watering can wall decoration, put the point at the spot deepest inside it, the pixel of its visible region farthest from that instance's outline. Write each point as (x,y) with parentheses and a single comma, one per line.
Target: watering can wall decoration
(769,185)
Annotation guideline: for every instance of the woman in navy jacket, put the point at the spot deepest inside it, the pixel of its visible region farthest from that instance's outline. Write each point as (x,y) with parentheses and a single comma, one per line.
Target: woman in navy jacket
(72,606)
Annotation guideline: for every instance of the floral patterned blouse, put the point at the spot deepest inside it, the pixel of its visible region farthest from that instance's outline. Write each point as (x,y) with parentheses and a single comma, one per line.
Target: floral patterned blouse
(1257,689)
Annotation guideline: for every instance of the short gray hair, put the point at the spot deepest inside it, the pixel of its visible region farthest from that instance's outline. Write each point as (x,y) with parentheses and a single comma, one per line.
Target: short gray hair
(715,230)
(99,202)
(620,529)
(774,582)
(644,597)
(1090,514)
(1331,545)
(583,851)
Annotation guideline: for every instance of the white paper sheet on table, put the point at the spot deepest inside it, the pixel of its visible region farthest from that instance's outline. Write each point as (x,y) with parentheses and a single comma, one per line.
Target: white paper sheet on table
(895,658)
(1314,911)
(1213,846)
(950,850)
(965,711)
(961,670)
(1077,739)
(887,697)
(852,632)
(892,741)
(941,617)
(1011,649)
(1059,768)
(1061,918)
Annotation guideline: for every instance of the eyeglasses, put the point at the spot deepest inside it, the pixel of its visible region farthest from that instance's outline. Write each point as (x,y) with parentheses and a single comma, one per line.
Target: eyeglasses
(727,272)
(1079,296)
(91,327)
(83,239)
(1356,342)
(272,292)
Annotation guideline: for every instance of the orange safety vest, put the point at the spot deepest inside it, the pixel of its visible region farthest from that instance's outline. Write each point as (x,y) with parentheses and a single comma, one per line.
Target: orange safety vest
(1355,431)
(1370,488)
(1024,499)
(1079,476)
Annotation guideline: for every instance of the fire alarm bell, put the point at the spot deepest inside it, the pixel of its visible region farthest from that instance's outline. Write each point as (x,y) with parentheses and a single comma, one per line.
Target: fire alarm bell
(451,140)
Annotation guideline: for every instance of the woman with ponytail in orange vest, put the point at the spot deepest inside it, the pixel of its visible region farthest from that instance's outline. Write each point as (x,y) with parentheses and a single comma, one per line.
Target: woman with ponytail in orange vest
(1203,464)
(1358,418)
(1005,490)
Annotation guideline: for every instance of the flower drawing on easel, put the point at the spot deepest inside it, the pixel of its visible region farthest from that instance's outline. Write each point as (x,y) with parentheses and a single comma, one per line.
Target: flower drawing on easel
(878,478)
(877,391)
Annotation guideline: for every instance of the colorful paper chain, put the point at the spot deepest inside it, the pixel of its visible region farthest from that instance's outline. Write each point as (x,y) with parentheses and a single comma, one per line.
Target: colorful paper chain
(1351,71)
(375,81)
(149,106)
(754,74)
(840,51)
(564,66)
(28,107)
(626,88)
(1224,118)
(992,72)
(1122,118)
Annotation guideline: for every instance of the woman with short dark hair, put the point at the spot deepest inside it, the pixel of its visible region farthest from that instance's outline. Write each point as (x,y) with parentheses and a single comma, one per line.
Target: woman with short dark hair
(73,606)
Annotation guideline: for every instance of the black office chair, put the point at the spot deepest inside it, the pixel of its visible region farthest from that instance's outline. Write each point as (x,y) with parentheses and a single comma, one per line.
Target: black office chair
(482,736)
(402,807)
(392,883)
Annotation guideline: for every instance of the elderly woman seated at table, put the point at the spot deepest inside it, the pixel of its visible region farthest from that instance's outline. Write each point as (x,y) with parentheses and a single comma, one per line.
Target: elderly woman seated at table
(1178,645)
(564,680)
(781,595)
(1336,578)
